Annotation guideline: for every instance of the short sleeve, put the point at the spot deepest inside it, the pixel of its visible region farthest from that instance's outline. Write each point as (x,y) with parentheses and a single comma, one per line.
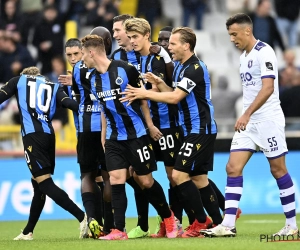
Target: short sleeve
(268,63)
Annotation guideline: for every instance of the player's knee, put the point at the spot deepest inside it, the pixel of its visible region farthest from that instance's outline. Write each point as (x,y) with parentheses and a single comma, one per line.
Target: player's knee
(231,170)
(278,171)
(147,182)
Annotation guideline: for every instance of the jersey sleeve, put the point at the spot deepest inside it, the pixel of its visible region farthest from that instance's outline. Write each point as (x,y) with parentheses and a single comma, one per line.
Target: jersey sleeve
(63,99)
(268,63)
(192,75)
(75,79)
(9,89)
(133,76)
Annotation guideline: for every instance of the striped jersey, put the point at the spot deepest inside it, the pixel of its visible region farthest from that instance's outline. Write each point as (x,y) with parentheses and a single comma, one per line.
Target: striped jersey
(89,118)
(37,99)
(196,109)
(123,122)
(132,57)
(163,115)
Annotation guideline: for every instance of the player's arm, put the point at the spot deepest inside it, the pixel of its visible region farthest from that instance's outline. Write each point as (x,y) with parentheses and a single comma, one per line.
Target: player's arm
(134,80)
(103,129)
(76,75)
(262,96)
(160,83)
(154,131)
(191,76)
(63,99)
(9,89)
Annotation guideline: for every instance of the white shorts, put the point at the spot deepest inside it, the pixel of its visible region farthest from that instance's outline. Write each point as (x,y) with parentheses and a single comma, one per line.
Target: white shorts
(267,136)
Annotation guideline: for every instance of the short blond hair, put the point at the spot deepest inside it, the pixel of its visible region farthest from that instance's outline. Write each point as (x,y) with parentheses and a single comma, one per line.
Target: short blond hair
(33,71)
(139,25)
(93,41)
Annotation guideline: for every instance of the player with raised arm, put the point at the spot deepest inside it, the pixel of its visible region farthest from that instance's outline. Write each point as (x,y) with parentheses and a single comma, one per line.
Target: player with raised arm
(164,116)
(89,147)
(261,126)
(127,142)
(192,92)
(37,99)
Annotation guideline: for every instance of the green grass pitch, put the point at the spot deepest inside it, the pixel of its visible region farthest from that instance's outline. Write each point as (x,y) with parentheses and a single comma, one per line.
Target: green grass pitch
(63,235)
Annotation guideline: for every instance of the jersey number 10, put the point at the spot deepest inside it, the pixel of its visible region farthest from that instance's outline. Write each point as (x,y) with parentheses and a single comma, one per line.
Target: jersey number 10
(37,96)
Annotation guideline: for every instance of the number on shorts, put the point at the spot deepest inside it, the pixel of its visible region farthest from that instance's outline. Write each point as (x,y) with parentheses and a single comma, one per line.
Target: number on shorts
(39,94)
(144,154)
(188,148)
(272,142)
(166,141)
(26,157)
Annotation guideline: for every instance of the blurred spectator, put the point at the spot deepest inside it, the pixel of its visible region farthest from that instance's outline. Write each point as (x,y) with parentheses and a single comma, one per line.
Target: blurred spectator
(290,103)
(101,14)
(287,19)
(11,20)
(264,25)
(14,58)
(288,76)
(224,100)
(58,68)
(31,11)
(236,6)
(150,10)
(60,119)
(194,8)
(49,36)
(9,113)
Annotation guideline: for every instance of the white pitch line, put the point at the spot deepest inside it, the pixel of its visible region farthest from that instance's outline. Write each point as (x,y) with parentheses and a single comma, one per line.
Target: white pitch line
(262,221)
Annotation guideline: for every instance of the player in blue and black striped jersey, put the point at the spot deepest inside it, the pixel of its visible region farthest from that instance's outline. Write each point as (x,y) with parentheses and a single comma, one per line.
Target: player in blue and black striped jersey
(164,116)
(163,41)
(89,147)
(37,99)
(125,52)
(127,142)
(191,91)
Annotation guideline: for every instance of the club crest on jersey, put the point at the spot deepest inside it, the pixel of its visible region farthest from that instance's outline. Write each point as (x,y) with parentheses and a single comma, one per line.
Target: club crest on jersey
(181,74)
(148,67)
(250,63)
(119,80)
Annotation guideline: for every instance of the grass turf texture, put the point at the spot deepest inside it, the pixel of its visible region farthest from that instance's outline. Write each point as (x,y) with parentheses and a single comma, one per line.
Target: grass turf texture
(63,235)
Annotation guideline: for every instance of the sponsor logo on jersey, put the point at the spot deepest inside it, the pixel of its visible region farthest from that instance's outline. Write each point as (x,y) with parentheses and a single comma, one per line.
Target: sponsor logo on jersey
(109,94)
(269,66)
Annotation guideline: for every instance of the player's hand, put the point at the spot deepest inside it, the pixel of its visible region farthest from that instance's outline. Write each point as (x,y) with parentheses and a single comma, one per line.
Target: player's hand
(154,49)
(241,123)
(154,79)
(131,94)
(65,80)
(155,133)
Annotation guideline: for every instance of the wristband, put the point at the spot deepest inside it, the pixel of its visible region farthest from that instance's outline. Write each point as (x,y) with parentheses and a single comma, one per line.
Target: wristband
(164,54)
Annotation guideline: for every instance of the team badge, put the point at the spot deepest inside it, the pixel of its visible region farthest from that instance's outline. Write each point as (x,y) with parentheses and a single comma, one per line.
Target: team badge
(198,146)
(119,80)
(148,67)
(181,74)
(250,63)
(172,154)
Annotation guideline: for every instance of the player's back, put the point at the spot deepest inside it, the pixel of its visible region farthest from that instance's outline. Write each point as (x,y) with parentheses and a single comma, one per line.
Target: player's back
(36,98)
